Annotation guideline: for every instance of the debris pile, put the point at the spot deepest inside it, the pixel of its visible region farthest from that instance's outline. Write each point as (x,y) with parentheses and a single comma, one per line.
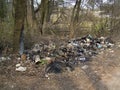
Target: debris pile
(68,54)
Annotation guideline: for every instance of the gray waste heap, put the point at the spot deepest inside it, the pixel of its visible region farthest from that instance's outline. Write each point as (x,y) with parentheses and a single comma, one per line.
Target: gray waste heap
(68,54)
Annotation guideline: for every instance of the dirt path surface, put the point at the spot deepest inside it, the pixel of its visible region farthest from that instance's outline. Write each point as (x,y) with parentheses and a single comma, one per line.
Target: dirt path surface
(101,73)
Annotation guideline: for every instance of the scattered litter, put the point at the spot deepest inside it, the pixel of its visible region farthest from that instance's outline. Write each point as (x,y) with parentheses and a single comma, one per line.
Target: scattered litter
(8,58)
(18,65)
(118,45)
(82,59)
(4,58)
(112,51)
(18,58)
(21,69)
(46,75)
(84,67)
(37,58)
(23,57)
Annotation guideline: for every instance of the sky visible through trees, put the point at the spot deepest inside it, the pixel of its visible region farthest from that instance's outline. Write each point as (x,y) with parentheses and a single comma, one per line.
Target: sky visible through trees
(71,1)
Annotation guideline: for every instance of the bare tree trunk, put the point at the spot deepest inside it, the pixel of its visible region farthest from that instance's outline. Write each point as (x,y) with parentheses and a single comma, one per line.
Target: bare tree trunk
(31,19)
(49,9)
(20,14)
(74,18)
(3,9)
(43,13)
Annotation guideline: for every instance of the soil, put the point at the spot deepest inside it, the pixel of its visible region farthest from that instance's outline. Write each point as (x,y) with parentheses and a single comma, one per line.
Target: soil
(101,73)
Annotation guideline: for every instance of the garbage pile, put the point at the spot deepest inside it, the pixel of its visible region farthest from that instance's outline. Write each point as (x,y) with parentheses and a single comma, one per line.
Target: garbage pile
(68,54)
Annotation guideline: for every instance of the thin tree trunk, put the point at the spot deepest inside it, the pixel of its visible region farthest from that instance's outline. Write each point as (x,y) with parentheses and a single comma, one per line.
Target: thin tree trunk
(74,18)
(43,12)
(20,13)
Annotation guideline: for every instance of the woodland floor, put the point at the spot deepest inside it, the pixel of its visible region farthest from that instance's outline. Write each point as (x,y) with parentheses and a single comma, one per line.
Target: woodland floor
(102,73)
